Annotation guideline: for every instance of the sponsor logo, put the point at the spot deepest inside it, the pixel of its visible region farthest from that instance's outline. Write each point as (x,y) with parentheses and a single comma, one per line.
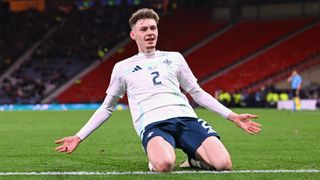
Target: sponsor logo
(205,125)
(150,134)
(137,68)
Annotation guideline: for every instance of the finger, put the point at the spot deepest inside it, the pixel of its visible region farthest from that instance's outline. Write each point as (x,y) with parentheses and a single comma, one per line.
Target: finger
(59,141)
(254,130)
(249,131)
(60,147)
(252,116)
(255,124)
(62,150)
(69,151)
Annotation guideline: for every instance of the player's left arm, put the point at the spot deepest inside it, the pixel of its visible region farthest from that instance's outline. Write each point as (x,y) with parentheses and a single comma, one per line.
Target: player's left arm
(244,121)
(189,83)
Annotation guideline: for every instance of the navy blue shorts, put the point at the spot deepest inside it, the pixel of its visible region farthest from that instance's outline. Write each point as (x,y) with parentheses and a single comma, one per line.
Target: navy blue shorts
(185,133)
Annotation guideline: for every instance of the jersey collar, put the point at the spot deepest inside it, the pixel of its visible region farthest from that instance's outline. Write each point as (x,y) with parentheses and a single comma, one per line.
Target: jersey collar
(148,55)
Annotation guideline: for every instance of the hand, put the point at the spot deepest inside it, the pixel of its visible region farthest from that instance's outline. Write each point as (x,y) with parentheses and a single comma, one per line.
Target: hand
(69,144)
(244,122)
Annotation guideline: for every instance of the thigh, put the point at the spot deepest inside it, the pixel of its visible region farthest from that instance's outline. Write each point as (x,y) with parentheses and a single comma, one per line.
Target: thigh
(192,134)
(214,153)
(158,145)
(159,150)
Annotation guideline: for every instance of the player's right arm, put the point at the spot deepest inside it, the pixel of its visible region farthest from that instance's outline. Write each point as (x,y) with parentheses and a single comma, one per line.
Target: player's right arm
(69,144)
(115,91)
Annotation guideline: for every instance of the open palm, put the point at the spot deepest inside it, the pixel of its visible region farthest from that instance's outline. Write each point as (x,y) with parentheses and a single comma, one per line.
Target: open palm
(69,144)
(244,121)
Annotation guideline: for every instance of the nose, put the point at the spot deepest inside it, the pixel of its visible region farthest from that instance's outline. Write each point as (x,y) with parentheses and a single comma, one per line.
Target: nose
(149,31)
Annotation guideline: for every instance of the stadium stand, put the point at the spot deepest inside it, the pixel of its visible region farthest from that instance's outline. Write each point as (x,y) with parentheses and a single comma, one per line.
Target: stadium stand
(306,65)
(242,40)
(287,54)
(73,47)
(19,31)
(176,33)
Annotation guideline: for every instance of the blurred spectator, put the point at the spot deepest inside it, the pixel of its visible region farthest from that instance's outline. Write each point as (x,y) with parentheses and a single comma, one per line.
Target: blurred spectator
(236,99)
(296,84)
(225,97)
(284,96)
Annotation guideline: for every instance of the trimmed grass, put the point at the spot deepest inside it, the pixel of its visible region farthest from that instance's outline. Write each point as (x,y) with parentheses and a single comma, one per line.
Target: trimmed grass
(289,140)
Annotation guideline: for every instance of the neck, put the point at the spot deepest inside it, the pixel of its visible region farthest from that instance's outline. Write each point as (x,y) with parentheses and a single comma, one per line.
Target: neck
(147,50)
(147,53)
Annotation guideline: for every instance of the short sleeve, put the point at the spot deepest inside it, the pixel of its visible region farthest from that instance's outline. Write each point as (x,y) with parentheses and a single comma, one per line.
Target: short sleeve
(185,76)
(117,85)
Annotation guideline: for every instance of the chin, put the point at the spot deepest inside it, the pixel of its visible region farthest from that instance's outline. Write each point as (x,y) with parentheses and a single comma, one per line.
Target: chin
(150,47)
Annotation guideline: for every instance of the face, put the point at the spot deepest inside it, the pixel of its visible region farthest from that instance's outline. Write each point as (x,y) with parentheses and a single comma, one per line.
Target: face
(145,33)
(294,72)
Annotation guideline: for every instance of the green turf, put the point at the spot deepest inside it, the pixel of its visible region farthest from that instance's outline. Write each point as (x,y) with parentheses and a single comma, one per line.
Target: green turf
(289,140)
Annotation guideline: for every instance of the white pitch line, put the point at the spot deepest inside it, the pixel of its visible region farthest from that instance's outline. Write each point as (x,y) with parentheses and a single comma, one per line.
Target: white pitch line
(174,172)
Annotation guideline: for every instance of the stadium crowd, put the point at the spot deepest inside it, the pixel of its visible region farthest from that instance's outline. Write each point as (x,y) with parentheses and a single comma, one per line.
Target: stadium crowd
(265,97)
(82,37)
(19,31)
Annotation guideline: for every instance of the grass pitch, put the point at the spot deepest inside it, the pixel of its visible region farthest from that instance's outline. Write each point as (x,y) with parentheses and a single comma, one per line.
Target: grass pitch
(288,140)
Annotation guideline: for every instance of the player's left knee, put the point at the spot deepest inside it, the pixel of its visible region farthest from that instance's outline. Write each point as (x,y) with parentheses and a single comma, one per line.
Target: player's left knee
(164,166)
(224,165)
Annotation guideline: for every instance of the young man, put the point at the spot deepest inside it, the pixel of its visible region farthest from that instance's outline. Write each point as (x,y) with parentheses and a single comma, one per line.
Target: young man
(161,114)
(296,83)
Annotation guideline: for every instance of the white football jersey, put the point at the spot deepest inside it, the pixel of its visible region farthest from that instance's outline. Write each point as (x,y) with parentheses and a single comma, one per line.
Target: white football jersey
(152,83)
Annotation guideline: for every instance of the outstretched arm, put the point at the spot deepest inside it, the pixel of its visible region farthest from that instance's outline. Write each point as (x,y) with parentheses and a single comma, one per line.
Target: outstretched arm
(189,83)
(69,144)
(244,121)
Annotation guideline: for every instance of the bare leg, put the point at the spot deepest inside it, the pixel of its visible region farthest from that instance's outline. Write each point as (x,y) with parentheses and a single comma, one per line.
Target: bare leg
(161,154)
(213,153)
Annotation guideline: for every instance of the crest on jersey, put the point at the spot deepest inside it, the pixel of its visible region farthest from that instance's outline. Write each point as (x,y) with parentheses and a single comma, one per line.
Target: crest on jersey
(167,62)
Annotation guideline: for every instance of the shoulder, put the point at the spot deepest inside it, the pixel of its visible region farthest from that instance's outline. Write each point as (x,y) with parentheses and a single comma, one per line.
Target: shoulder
(171,53)
(297,77)
(120,67)
(174,55)
(124,63)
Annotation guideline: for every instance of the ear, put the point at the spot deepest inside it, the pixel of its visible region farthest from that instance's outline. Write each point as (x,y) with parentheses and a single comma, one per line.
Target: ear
(132,35)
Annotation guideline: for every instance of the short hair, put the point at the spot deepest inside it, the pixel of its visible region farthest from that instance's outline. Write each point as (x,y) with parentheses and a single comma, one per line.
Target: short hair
(144,13)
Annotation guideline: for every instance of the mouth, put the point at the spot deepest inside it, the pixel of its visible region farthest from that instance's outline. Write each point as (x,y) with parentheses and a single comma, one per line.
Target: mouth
(150,39)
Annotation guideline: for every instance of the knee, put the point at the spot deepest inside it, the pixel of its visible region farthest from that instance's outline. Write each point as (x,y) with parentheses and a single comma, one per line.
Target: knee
(164,165)
(225,165)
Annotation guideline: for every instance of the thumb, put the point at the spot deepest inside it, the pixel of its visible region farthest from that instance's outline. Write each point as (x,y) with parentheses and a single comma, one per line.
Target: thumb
(252,116)
(59,141)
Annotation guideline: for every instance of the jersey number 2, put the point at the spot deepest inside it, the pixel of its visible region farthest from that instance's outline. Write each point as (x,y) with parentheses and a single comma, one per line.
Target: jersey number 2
(155,75)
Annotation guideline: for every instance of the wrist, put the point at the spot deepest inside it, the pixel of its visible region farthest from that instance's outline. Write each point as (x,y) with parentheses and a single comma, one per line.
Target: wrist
(232,116)
(78,138)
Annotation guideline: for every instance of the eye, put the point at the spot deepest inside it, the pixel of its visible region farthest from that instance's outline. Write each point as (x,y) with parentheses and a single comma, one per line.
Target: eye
(143,29)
